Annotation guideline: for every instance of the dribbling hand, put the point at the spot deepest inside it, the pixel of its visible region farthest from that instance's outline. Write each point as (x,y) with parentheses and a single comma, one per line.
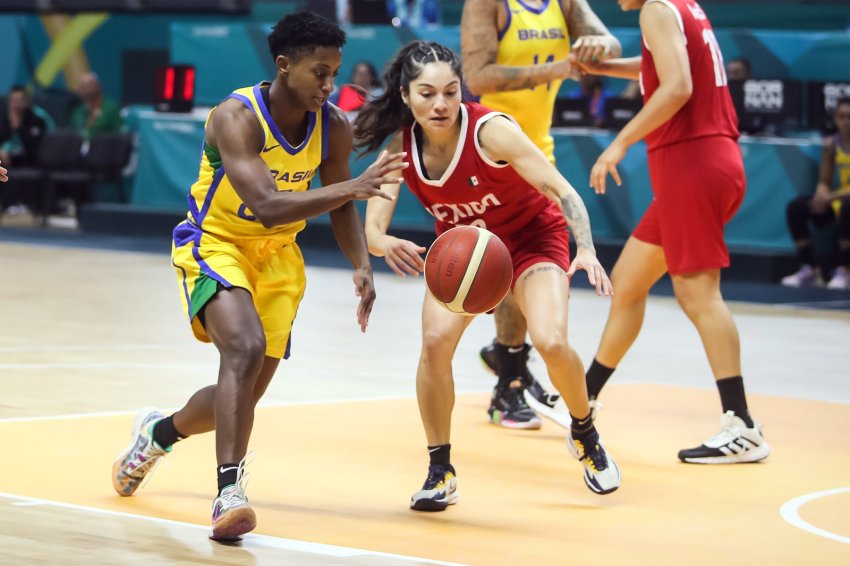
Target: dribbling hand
(384,171)
(403,256)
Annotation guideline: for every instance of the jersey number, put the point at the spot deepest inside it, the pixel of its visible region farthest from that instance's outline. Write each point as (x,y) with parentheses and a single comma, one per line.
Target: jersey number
(716,57)
(549,59)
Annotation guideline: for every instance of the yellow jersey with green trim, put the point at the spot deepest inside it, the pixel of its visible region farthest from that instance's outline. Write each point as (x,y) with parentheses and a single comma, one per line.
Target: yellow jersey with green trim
(215,206)
(531,36)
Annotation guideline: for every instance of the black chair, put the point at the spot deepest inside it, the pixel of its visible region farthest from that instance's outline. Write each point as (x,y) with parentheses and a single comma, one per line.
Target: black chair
(58,155)
(106,157)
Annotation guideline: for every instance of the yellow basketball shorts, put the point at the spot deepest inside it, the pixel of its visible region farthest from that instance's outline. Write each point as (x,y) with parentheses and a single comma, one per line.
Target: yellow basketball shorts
(272,270)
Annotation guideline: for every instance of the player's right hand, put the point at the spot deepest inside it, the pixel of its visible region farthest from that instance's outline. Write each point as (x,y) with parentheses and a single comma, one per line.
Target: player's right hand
(3,176)
(403,256)
(384,171)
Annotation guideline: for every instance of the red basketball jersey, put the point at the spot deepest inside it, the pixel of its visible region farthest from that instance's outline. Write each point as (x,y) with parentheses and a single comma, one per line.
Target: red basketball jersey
(475,190)
(709,112)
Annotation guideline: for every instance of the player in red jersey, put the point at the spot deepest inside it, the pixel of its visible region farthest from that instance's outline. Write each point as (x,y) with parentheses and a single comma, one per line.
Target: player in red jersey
(476,167)
(697,176)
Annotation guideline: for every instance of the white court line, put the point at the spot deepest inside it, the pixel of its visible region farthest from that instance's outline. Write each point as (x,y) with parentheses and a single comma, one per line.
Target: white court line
(790,511)
(86,347)
(248,541)
(107,365)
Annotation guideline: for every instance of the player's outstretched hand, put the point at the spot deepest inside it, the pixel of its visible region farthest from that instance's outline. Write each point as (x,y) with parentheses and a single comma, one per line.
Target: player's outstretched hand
(364,287)
(384,171)
(3,177)
(403,256)
(586,259)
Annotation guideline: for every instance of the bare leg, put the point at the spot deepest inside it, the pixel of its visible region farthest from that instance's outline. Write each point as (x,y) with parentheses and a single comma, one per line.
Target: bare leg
(542,292)
(699,296)
(639,267)
(234,326)
(198,415)
(441,332)
(510,323)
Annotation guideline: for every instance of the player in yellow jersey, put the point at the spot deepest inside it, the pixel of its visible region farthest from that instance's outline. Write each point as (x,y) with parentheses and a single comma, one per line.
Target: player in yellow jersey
(240,272)
(826,207)
(515,58)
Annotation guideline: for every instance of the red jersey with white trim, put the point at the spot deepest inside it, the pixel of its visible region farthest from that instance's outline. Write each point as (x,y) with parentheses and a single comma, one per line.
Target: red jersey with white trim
(709,112)
(475,190)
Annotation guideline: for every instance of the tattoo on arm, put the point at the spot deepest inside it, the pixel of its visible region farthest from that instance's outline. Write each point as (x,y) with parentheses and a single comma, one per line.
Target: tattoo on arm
(583,21)
(576,215)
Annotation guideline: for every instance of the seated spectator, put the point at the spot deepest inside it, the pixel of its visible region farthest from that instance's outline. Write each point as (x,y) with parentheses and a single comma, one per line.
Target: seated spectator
(97,114)
(21,131)
(829,204)
(739,69)
(590,87)
(363,84)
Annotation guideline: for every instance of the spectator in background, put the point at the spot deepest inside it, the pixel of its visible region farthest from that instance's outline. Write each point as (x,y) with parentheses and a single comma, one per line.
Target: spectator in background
(592,89)
(21,131)
(739,69)
(413,13)
(97,114)
(829,204)
(363,85)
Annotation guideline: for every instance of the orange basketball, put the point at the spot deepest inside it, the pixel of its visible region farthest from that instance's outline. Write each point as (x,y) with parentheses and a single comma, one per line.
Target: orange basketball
(468,270)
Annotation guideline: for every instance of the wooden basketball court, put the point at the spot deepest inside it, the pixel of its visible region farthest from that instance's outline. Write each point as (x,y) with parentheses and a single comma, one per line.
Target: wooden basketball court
(90,337)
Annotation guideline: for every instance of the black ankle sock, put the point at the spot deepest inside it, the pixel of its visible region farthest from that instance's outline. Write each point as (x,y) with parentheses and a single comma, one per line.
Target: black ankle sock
(509,363)
(806,254)
(226,475)
(440,455)
(582,428)
(596,378)
(733,398)
(165,434)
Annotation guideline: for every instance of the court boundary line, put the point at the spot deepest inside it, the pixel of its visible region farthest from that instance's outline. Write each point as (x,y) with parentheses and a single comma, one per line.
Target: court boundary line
(249,541)
(790,511)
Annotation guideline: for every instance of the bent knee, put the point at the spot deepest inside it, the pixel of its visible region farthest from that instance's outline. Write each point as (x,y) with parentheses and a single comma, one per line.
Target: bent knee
(553,346)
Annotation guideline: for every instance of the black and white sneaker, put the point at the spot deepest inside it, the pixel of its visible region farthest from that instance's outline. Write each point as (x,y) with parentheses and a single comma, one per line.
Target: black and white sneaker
(601,473)
(735,443)
(549,405)
(508,409)
(438,492)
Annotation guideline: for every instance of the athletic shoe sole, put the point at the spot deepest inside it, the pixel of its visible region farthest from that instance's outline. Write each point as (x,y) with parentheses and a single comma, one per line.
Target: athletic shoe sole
(434,504)
(234,523)
(595,489)
(533,424)
(753,455)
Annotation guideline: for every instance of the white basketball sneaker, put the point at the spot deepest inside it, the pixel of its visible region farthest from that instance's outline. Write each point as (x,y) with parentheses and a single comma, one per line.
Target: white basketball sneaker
(805,277)
(735,443)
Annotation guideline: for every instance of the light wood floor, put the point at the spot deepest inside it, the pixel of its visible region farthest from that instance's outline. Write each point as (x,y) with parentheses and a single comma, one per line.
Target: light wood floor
(89,337)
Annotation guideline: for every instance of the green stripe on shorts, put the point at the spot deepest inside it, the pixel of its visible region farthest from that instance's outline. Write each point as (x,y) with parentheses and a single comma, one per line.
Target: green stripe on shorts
(205,288)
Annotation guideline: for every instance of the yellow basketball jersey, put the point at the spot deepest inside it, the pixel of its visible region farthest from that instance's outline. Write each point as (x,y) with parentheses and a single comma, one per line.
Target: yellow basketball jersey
(214,205)
(842,170)
(532,36)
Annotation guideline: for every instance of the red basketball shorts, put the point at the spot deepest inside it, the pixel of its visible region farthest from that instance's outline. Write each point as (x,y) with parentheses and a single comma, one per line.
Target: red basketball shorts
(697,186)
(544,239)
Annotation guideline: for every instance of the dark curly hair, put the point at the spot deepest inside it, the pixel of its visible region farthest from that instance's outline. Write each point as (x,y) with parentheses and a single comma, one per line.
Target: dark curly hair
(387,113)
(299,33)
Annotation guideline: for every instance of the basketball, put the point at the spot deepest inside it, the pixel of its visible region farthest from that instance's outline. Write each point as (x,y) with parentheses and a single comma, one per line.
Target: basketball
(468,270)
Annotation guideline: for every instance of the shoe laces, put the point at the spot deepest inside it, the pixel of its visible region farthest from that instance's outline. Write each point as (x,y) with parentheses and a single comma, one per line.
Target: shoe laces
(235,494)
(513,399)
(146,459)
(595,456)
(436,476)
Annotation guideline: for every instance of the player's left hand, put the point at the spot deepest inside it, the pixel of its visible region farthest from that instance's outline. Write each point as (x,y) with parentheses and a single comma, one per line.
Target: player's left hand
(364,287)
(607,163)
(586,259)
(590,48)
